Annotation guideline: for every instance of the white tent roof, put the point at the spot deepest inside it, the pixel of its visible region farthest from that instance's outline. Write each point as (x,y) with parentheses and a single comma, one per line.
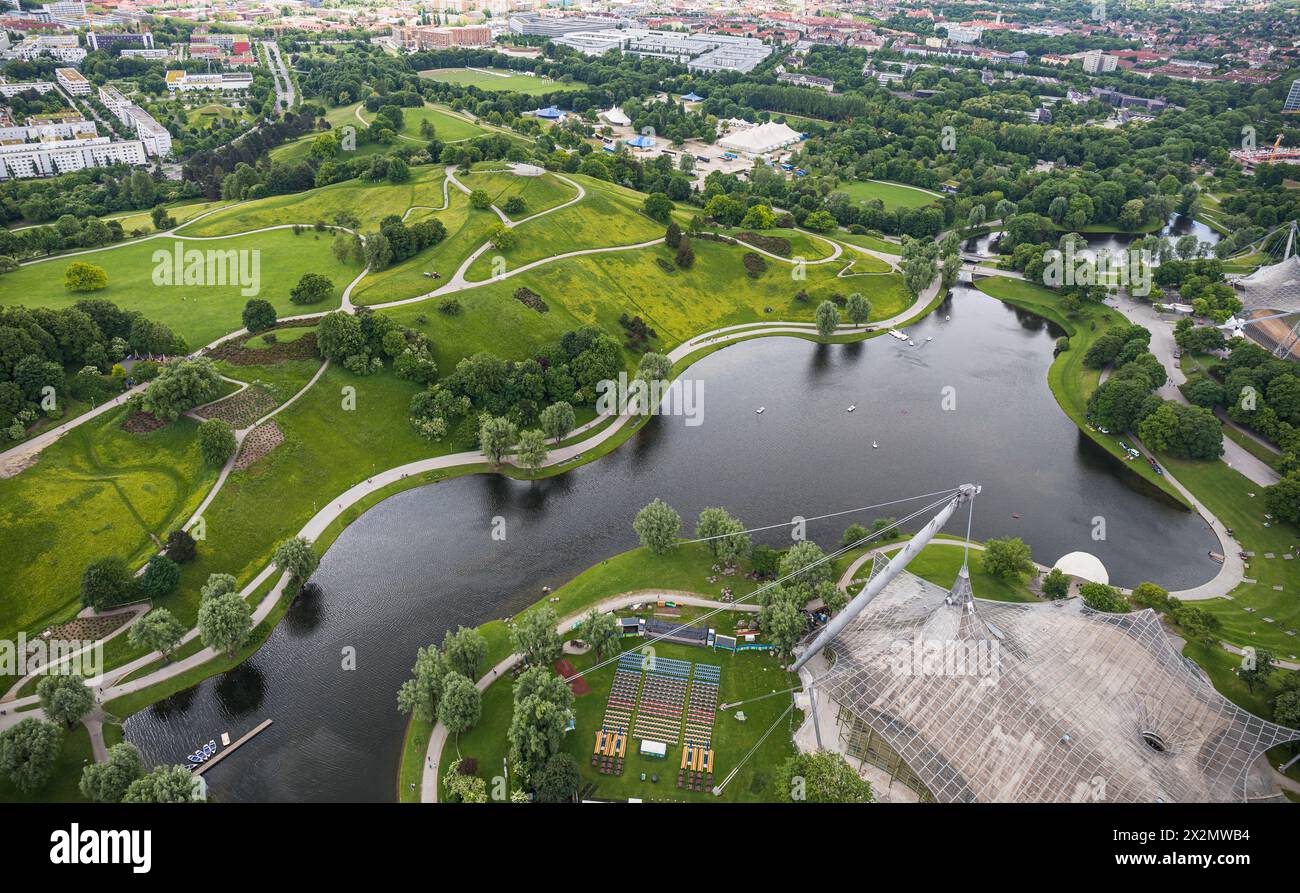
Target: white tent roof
(1083,565)
(758,140)
(1275,287)
(616,115)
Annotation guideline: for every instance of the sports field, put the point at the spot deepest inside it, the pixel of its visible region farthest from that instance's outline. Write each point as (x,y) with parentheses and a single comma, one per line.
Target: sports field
(894,195)
(498,80)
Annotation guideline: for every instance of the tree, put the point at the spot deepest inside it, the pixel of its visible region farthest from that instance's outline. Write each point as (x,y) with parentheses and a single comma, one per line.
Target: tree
(782,620)
(558,780)
(601,631)
(1056,584)
(1101,597)
(823,776)
(420,695)
(557,420)
(216,442)
(165,784)
(157,631)
(685,257)
(1149,595)
(296,558)
(160,578)
(819,222)
(805,564)
(81,276)
(462,788)
(857,309)
(503,238)
(1255,668)
(531,451)
(312,288)
(535,638)
(461,703)
(726,539)
(480,199)
(515,205)
(854,533)
(657,526)
(1286,708)
(225,622)
(496,435)
(1283,498)
(107,782)
(464,651)
(65,697)
(828,318)
(28,752)
(259,315)
(658,206)
(182,384)
(1008,559)
(759,217)
(106,583)
(673,236)
(542,709)
(654,367)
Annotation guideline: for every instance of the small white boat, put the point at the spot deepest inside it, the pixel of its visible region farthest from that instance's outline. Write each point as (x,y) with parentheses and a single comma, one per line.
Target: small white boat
(852,406)
(760,410)
(946,318)
(911,343)
(874,445)
(929,337)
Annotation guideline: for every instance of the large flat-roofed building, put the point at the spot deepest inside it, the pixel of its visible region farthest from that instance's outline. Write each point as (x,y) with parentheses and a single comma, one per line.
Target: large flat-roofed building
(534,23)
(1097,62)
(47,159)
(965,700)
(107,40)
(13,88)
(45,130)
(73,81)
(424,38)
(155,137)
(185,82)
(698,51)
(63,47)
(137,53)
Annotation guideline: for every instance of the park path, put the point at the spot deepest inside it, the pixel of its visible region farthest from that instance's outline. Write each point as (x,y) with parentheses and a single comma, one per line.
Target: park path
(438,739)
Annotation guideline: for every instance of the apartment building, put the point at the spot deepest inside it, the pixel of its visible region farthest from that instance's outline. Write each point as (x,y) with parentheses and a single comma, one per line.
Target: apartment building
(63,47)
(155,137)
(72,81)
(429,38)
(1097,62)
(50,158)
(227,81)
(107,40)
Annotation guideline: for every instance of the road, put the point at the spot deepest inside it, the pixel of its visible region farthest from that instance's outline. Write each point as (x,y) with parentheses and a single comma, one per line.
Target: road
(284,92)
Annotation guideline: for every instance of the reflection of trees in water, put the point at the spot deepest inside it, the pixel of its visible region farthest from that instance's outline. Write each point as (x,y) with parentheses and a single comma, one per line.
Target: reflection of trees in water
(304,615)
(241,690)
(819,361)
(176,705)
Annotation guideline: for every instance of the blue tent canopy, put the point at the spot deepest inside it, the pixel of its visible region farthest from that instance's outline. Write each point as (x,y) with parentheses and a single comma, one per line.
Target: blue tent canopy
(692,97)
(548,112)
(641,142)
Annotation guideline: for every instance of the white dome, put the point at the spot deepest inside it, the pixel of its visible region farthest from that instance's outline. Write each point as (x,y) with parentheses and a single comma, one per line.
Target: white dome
(1083,565)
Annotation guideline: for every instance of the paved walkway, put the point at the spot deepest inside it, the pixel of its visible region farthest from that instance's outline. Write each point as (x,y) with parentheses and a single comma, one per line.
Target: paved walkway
(438,739)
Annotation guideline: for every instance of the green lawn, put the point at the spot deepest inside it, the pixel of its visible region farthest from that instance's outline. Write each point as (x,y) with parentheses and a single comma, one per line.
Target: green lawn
(448,126)
(370,202)
(939,564)
(609,215)
(1226,493)
(864,241)
(199,314)
(467,229)
(538,193)
(99,491)
(496,80)
(1070,381)
(894,195)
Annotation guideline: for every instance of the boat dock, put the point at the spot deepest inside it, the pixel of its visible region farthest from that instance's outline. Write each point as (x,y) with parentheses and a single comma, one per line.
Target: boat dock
(897,334)
(225,752)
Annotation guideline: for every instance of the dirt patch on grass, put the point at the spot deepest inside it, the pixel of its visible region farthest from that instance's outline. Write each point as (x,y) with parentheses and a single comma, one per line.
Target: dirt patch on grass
(260,441)
(237,352)
(141,422)
(242,409)
(90,629)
